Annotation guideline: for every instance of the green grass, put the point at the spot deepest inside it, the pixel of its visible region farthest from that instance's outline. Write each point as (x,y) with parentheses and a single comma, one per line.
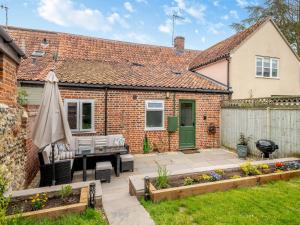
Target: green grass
(89,217)
(271,204)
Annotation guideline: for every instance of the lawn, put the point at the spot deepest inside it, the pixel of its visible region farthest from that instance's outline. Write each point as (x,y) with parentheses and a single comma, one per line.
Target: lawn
(272,204)
(89,217)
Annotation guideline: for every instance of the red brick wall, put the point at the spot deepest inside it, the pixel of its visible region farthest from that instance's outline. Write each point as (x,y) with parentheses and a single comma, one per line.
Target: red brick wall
(126,116)
(8,81)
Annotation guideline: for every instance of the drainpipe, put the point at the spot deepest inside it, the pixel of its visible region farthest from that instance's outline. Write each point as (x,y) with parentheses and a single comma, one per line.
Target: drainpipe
(105,113)
(228,71)
(228,75)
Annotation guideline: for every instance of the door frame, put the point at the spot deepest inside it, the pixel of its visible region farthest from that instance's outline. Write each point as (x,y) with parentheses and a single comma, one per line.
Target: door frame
(193,101)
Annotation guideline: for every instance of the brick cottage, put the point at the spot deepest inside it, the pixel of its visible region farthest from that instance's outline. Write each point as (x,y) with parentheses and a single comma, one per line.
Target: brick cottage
(113,87)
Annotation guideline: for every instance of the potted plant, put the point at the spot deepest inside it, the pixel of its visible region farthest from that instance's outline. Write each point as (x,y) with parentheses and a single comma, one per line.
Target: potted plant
(242,146)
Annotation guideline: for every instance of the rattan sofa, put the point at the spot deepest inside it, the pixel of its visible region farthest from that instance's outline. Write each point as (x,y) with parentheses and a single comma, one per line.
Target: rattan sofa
(63,170)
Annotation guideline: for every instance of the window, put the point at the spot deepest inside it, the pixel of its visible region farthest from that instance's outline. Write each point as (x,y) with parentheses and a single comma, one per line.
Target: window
(154,113)
(80,114)
(267,67)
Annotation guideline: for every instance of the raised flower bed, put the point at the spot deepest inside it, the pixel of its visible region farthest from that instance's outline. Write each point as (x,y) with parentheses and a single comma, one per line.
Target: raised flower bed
(246,175)
(51,204)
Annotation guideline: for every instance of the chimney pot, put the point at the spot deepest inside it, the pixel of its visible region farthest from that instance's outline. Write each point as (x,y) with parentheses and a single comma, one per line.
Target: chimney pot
(179,43)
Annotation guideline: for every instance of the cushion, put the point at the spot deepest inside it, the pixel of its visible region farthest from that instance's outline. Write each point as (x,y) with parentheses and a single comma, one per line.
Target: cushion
(126,158)
(103,165)
(111,139)
(100,141)
(66,155)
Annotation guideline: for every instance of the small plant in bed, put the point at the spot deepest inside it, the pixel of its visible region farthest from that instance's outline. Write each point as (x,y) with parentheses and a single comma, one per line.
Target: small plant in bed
(65,192)
(206,177)
(162,179)
(220,172)
(215,176)
(264,168)
(188,181)
(38,201)
(249,169)
(280,166)
(292,165)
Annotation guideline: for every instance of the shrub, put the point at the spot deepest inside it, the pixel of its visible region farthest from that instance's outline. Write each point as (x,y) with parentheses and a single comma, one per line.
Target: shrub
(22,97)
(220,172)
(38,201)
(65,191)
(162,179)
(206,177)
(243,140)
(188,181)
(235,177)
(249,169)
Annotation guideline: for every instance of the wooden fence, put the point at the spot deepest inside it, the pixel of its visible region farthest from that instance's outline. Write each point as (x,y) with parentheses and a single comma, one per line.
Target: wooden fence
(277,119)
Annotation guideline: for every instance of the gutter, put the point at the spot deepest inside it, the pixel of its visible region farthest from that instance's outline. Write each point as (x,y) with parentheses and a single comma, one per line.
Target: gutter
(129,87)
(7,39)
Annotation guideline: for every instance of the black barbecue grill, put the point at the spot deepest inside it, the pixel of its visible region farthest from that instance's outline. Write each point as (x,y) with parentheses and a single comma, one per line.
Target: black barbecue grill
(267,147)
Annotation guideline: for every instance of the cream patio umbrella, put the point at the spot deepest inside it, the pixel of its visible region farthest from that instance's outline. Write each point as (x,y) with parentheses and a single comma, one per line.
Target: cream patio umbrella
(51,125)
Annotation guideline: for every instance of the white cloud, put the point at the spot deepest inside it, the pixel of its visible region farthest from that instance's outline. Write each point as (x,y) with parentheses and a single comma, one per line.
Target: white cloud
(225,17)
(216,3)
(197,11)
(142,1)
(134,37)
(234,14)
(196,31)
(203,39)
(181,7)
(128,7)
(166,27)
(64,13)
(115,18)
(216,28)
(242,3)
(231,14)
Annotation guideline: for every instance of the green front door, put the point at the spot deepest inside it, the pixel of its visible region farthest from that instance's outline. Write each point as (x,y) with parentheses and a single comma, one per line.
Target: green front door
(187,124)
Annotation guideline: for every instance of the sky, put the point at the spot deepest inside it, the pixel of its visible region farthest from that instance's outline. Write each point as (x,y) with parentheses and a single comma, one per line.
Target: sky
(203,23)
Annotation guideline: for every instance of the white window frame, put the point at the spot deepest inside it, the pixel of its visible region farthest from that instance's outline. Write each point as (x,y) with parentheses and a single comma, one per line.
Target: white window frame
(262,75)
(155,109)
(79,114)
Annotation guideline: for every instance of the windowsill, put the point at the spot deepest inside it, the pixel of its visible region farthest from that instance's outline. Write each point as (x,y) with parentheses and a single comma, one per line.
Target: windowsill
(155,129)
(272,78)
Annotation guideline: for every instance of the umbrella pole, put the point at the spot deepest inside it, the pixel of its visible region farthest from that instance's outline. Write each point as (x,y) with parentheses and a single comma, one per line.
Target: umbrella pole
(53,166)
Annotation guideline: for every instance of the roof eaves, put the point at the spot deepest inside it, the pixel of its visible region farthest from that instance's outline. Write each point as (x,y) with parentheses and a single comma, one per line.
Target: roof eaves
(129,87)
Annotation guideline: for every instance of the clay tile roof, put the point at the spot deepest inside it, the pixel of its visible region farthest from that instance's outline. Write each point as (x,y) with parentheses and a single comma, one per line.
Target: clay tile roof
(222,49)
(133,74)
(92,60)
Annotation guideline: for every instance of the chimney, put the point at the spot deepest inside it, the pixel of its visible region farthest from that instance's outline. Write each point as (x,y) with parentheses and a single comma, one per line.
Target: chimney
(179,43)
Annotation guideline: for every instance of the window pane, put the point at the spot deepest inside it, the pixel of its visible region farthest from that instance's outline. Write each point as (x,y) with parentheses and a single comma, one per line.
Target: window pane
(266,72)
(274,72)
(155,105)
(154,119)
(259,71)
(266,62)
(72,115)
(186,114)
(274,63)
(86,115)
(259,62)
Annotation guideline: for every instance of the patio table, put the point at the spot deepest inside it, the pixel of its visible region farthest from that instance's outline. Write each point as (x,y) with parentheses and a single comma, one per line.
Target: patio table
(105,151)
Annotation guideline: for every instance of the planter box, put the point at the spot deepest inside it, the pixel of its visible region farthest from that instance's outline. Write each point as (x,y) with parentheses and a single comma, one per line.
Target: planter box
(195,189)
(58,211)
